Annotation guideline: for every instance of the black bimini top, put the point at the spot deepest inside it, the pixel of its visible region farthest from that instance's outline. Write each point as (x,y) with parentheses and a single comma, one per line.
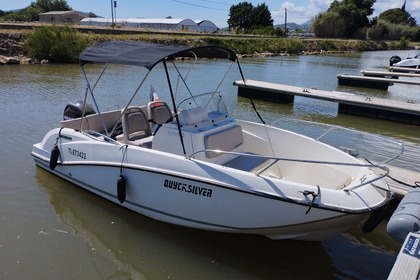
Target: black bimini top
(148,55)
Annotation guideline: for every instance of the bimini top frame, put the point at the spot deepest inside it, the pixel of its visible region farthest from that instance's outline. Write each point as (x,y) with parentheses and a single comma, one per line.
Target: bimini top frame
(148,55)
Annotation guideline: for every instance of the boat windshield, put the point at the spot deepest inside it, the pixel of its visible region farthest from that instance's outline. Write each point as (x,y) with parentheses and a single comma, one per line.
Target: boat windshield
(212,102)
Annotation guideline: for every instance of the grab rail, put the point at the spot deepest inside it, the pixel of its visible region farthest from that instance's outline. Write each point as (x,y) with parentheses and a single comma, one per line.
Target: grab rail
(331,128)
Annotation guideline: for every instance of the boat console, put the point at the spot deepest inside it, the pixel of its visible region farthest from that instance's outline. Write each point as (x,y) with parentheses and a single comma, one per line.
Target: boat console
(201,133)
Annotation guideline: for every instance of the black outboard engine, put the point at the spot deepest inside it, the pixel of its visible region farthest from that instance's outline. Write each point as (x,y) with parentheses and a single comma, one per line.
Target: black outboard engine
(74,110)
(394,59)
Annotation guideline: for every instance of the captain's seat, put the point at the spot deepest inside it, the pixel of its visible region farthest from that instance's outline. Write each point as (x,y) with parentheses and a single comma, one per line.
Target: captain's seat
(136,128)
(159,113)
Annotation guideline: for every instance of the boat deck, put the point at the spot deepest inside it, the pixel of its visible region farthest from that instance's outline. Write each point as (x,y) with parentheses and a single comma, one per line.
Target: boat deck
(386,109)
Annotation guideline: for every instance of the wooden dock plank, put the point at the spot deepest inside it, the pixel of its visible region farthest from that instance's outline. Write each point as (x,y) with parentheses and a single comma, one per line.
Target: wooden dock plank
(407,265)
(392,110)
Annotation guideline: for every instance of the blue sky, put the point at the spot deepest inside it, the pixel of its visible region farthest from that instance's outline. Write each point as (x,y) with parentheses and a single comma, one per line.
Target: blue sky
(298,11)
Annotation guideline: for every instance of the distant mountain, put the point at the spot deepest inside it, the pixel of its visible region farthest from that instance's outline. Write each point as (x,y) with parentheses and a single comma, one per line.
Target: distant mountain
(293,26)
(14,11)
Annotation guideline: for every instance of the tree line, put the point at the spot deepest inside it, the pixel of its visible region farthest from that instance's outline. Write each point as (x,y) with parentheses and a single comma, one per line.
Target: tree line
(343,19)
(350,19)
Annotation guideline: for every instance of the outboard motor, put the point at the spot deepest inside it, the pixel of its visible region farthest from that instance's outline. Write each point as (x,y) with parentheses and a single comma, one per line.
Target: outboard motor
(394,59)
(74,110)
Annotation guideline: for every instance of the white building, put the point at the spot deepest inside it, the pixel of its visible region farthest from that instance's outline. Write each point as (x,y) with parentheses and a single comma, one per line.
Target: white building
(156,23)
(101,22)
(206,26)
(62,17)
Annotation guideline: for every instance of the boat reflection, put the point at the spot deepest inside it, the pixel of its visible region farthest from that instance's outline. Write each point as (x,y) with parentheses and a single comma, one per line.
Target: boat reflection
(141,248)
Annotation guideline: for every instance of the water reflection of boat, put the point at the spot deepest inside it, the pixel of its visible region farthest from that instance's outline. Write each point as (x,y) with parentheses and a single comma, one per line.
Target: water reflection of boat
(130,246)
(203,169)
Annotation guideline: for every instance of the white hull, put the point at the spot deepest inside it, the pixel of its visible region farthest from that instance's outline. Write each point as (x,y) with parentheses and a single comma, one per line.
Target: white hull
(203,195)
(409,63)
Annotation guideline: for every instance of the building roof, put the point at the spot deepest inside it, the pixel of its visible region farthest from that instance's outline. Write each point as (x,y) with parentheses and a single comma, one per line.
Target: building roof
(58,12)
(160,20)
(167,21)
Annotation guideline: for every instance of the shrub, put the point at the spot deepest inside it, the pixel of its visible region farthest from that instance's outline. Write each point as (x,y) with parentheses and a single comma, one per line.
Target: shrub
(328,45)
(61,44)
(389,31)
(268,31)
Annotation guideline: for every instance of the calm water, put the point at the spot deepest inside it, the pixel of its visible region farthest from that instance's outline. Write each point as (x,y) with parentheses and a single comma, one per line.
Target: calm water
(50,229)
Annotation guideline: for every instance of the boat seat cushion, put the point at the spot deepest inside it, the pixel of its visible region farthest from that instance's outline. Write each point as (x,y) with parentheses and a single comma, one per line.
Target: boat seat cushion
(159,112)
(318,174)
(248,163)
(136,128)
(228,140)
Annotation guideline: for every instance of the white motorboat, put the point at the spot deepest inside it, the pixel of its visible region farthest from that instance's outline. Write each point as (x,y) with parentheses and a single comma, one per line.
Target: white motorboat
(409,62)
(194,165)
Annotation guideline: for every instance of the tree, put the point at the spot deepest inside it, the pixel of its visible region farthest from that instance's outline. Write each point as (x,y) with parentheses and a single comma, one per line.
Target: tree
(51,5)
(329,25)
(261,17)
(398,16)
(351,15)
(245,16)
(31,13)
(240,15)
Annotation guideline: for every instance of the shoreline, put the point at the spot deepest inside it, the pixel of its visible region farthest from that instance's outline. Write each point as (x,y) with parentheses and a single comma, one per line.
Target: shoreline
(12,39)
(11,50)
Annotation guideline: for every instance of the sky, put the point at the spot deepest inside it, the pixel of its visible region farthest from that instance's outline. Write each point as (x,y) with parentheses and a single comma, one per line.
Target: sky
(217,11)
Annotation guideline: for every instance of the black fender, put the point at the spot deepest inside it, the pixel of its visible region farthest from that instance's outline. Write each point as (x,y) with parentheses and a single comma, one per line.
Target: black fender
(121,188)
(55,153)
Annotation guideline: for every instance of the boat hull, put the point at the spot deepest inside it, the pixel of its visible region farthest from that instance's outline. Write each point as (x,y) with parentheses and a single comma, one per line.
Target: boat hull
(197,194)
(409,63)
(248,216)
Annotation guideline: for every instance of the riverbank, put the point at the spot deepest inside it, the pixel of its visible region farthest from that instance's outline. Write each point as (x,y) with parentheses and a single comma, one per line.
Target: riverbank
(11,51)
(12,40)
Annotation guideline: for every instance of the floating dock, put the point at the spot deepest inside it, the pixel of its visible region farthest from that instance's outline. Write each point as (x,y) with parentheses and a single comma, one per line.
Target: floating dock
(385,109)
(393,75)
(365,82)
(404,69)
(407,266)
(377,80)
